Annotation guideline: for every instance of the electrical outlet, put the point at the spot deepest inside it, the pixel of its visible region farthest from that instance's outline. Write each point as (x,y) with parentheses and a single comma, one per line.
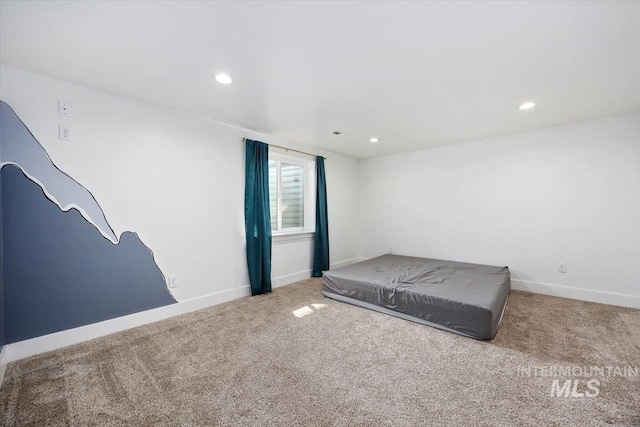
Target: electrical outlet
(173,281)
(562,267)
(64,109)
(64,132)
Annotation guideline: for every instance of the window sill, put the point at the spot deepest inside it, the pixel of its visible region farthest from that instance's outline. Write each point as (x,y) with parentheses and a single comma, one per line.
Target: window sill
(293,235)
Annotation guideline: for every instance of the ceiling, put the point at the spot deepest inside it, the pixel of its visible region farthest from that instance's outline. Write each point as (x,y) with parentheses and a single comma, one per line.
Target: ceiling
(414,74)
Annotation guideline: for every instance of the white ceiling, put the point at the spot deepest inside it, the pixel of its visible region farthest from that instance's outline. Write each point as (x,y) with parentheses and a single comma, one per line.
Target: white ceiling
(414,74)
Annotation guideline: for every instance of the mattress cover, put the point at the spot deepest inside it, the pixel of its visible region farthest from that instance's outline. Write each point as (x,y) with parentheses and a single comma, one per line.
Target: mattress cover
(465,298)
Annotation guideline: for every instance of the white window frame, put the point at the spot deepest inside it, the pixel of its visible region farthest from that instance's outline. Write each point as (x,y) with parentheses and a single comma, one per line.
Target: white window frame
(309,182)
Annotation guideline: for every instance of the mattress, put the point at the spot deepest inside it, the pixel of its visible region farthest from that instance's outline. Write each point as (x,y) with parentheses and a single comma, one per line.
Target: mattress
(467,299)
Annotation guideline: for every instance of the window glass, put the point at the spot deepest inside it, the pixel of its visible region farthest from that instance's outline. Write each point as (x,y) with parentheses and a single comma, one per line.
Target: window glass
(273,193)
(291,189)
(292,193)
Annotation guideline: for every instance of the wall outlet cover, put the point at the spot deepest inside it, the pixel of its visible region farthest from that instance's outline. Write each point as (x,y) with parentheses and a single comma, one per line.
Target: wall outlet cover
(173,281)
(64,132)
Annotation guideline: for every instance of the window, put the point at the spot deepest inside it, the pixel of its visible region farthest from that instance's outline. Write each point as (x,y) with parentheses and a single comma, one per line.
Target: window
(291,194)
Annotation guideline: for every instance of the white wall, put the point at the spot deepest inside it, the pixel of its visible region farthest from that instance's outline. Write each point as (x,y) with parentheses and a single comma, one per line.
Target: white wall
(528,200)
(176,180)
(290,253)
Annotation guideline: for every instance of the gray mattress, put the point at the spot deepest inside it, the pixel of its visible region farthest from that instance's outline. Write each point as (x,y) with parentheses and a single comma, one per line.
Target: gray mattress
(468,299)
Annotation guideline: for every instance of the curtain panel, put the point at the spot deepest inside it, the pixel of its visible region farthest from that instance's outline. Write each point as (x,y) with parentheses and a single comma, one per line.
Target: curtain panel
(257,217)
(321,239)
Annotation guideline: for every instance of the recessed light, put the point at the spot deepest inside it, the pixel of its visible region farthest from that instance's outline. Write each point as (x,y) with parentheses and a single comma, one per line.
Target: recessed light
(223,78)
(373,140)
(527,105)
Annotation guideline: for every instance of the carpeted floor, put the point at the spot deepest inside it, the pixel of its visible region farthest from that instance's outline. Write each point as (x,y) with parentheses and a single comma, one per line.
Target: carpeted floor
(254,362)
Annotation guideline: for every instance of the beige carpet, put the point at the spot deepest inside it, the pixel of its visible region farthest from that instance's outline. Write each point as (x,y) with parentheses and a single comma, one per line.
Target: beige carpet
(253,362)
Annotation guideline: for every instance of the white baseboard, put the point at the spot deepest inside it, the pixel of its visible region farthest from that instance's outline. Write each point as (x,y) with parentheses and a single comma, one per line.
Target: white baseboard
(3,364)
(346,262)
(31,347)
(611,298)
(303,275)
(276,282)
(21,349)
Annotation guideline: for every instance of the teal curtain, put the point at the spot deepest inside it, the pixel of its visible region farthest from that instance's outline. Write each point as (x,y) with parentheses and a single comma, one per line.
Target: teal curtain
(321,240)
(257,218)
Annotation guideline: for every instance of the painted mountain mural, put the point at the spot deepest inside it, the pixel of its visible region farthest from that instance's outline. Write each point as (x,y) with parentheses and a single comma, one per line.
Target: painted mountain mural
(63,266)
(19,147)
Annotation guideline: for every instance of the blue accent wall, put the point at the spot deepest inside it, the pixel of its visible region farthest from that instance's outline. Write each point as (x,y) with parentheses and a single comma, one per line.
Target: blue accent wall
(61,273)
